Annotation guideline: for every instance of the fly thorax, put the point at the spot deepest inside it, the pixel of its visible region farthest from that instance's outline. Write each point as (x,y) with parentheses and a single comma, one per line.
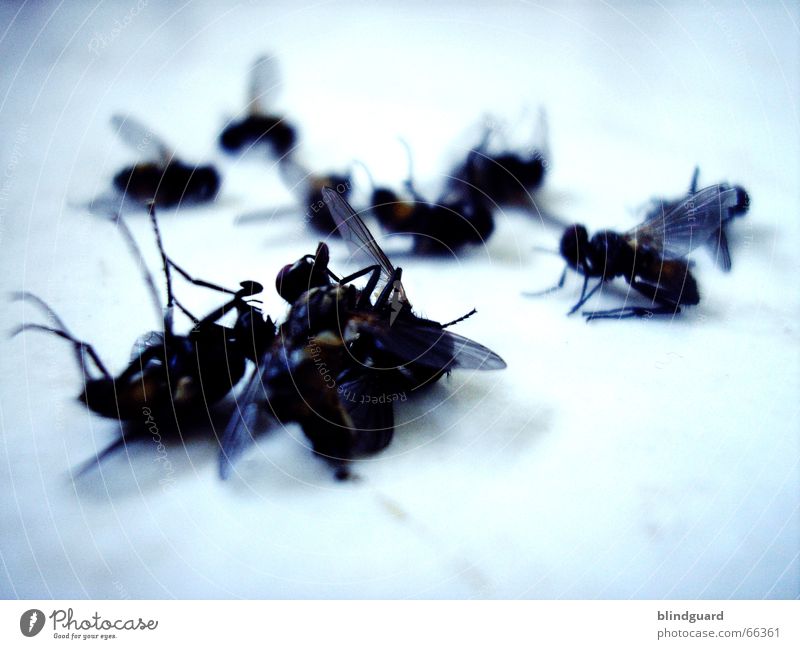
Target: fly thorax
(610,255)
(204,183)
(254,332)
(318,310)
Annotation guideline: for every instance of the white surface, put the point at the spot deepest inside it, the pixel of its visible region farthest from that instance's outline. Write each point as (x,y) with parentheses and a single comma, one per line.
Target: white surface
(612,460)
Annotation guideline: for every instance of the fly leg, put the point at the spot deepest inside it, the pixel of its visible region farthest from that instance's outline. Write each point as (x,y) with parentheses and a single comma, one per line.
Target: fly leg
(719,245)
(461,319)
(133,247)
(115,446)
(82,349)
(247,289)
(409,183)
(198,282)
(552,289)
(392,285)
(374,271)
(631,312)
(585,297)
(695,177)
(225,308)
(151,209)
(471,164)
(375,275)
(91,463)
(662,304)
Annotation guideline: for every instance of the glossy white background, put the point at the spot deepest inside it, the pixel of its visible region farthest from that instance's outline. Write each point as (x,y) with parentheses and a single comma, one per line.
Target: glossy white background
(612,460)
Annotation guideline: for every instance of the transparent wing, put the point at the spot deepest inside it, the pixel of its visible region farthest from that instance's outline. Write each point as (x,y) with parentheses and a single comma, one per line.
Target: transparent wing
(679,227)
(265,81)
(722,252)
(112,204)
(359,239)
(297,177)
(372,417)
(145,342)
(239,433)
(141,139)
(414,343)
(355,232)
(468,354)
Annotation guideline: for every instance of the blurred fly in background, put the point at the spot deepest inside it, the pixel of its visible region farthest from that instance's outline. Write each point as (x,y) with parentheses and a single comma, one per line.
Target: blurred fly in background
(503,176)
(261,125)
(652,256)
(163,178)
(458,218)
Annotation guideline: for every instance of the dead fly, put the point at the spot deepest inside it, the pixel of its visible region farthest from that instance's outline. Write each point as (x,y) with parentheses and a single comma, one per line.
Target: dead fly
(174,376)
(164,179)
(651,257)
(717,240)
(261,125)
(307,187)
(345,355)
(668,283)
(506,178)
(456,219)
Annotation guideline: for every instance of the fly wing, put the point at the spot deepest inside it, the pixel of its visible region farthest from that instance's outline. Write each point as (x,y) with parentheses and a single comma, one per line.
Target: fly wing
(239,434)
(307,186)
(677,228)
(141,139)
(471,355)
(719,244)
(413,343)
(147,341)
(364,397)
(296,176)
(359,239)
(265,81)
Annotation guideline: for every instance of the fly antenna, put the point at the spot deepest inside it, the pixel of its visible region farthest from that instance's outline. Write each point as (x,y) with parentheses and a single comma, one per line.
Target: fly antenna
(410,181)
